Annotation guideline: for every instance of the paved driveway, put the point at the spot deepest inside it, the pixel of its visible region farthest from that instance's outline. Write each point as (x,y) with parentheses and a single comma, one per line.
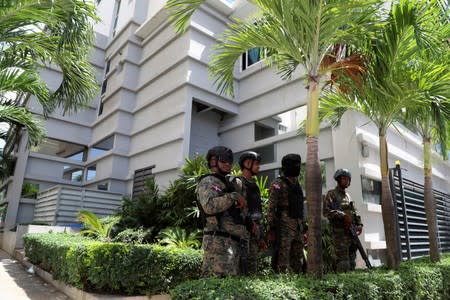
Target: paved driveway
(17,284)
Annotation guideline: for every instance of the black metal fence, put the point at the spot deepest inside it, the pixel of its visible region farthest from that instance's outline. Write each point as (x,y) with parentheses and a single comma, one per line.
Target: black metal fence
(409,200)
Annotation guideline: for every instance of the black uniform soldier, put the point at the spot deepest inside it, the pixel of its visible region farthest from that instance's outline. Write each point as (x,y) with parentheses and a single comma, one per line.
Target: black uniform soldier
(249,162)
(341,212)
(285,217)
(224,231)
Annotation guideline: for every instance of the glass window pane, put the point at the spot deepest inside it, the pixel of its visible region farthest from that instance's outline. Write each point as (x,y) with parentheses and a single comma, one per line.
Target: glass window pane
(91,172)
(73,174)
(371,190)
(101,147)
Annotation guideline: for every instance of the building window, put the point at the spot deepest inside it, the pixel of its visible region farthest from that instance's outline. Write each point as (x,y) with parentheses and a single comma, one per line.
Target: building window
(73,174)
(251,57)
(264,130)
(91,172)
(108,66)
(282,128)
(105,80)
(102,186)
(77,156)
(267,154)
(116,17)
(100,108)
(104,86)
(62,149)
(101,147)
(371,190)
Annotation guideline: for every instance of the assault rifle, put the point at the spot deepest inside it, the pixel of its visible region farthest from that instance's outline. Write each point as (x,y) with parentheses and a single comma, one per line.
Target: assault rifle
(359,246)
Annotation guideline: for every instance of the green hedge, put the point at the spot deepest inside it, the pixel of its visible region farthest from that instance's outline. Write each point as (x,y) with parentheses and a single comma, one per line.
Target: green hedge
(417,279)
(112,267)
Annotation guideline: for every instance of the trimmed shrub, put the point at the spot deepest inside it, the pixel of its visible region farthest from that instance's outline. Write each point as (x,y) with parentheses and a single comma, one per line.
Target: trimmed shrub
(112,267)
(418,279)
(132,235)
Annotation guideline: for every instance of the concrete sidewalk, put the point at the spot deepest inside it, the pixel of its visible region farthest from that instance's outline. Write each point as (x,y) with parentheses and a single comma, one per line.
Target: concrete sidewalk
(17,284)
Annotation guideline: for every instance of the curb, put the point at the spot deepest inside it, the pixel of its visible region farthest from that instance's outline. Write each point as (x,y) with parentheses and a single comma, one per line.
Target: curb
(73,292)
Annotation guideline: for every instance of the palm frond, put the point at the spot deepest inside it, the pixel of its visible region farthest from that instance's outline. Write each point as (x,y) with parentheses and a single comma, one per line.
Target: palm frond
(182,11)
(55,32)
(93,226)
(289,31)
(21,117)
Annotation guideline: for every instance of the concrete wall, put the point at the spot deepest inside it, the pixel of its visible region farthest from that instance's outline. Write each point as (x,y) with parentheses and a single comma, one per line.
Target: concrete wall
(11,240)
(204,131)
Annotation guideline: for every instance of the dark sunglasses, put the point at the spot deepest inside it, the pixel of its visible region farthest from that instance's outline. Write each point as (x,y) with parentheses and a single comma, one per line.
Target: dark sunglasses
(225,160)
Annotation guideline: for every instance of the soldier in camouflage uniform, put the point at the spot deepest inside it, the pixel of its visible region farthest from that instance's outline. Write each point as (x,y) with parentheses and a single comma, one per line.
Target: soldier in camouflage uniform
(249,162)
(340,211)
(224,233)
(285,217)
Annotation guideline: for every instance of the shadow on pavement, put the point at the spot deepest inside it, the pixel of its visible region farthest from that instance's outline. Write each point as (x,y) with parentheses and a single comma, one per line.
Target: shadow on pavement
(17,284)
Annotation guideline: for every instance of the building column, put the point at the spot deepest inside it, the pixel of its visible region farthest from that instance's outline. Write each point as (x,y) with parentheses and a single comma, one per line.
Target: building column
(15,188)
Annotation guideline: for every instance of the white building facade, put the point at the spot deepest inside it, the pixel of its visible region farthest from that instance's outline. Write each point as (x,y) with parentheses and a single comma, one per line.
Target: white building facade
(157,106)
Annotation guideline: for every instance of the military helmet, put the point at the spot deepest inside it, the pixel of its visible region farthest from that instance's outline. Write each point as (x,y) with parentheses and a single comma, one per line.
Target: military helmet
(342,172)
(291,159)
(248,155)
(220,153)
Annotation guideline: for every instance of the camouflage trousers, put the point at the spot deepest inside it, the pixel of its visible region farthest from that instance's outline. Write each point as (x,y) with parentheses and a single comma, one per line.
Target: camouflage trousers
(345,251)
(221,256)
(288,253)
(253,255)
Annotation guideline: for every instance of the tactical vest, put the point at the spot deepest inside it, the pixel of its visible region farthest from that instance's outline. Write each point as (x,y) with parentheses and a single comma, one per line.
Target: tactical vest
(233,211)
(295,199)
(344,204)
(253,196)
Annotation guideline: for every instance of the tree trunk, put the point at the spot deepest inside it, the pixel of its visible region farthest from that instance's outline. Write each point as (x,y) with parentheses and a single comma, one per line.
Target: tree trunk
(313,182)
(429,202)
(393,253)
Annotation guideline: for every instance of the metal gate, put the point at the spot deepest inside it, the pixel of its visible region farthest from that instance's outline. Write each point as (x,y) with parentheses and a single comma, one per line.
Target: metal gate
(409,200)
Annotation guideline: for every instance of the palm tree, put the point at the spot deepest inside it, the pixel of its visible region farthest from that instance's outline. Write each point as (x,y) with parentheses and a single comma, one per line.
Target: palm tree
(385,88)
(44,33)
(431,122)
(294,33)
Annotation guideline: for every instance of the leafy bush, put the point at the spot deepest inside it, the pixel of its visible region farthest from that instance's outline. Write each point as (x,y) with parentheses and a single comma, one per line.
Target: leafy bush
(143,211)
(134,236)
(29,190)
(176,207)
(178,237)
(180,197)
(328,253)
(418,279)
(112,267)
(180,206)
